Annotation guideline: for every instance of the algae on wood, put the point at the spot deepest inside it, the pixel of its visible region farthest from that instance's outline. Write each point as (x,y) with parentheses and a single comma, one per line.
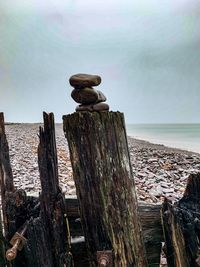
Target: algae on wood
(105,186)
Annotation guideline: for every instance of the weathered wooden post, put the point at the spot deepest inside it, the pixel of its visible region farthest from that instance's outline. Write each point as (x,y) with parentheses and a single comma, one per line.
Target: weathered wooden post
(2,246)
(52,202)
(6,185)
(181,223)
(38,228)
(104,179)
(6,176)
(13,203)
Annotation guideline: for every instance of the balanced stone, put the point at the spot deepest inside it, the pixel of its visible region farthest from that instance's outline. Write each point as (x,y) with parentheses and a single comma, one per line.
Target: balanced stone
(93,107)
(84,80)
(85,95)
(100,106)
(101,97)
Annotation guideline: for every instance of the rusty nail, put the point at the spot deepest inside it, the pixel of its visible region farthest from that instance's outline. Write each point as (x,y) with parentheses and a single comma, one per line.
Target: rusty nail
(103,261)
(104,258)
(12,252)
(17,242)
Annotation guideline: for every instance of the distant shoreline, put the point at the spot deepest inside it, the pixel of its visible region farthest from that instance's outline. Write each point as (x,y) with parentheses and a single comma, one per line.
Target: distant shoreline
(146,143)
(181,136)
(158,170)
(142,141)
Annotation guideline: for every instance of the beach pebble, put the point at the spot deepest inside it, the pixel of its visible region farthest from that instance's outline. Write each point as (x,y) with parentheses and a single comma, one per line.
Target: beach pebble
(70,183)
(84,80)
(152,160)
(153,182)
(168,190)
(72,191)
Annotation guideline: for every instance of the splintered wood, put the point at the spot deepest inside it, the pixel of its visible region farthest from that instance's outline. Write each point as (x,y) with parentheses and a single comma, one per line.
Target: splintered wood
(105,186)
(181,224)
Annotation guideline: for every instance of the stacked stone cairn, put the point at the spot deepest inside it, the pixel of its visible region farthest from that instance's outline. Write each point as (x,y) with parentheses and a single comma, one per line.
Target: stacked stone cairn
(89,98)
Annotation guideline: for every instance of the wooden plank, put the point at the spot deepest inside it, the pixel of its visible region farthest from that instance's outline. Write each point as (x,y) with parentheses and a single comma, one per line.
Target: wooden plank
(80,253)
(152,231)
(181,223)
(151,228)
(53,214)
(105,186)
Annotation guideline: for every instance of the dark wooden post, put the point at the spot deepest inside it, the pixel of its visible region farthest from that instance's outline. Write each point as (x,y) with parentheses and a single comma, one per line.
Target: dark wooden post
(152,231)
(181,223)
(2,246)
(6,184)
(105,186)
(5,158)
(12,203)
(6,176)
(52,201)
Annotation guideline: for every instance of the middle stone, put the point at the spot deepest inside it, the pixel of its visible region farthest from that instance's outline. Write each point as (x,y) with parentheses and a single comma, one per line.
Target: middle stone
(87,95)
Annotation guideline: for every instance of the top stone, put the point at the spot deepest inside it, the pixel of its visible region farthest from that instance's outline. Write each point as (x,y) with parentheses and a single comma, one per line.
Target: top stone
(84,80)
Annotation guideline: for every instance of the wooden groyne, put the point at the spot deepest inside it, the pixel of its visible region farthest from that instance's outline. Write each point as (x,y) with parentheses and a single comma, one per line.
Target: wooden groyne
(105,226)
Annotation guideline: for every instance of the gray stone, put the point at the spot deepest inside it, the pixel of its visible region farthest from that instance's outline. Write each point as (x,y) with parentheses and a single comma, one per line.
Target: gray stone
(155,193)
(152,160)
(159,190)
(84,80)
(168,190)
(70,183)
(72,191)
(142,174)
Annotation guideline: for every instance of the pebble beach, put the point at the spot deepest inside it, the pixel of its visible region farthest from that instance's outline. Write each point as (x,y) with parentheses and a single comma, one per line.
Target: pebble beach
(158,171)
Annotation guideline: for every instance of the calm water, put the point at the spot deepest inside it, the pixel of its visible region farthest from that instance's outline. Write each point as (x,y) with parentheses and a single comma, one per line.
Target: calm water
(185,136)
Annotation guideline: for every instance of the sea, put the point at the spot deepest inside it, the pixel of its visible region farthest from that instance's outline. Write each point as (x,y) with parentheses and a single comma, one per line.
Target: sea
(183,136)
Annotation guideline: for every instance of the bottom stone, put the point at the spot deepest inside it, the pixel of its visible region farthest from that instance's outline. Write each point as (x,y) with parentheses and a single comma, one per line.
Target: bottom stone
(93,107)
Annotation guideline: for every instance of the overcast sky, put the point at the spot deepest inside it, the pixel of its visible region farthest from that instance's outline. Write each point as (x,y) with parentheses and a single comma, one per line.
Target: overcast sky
(147,53)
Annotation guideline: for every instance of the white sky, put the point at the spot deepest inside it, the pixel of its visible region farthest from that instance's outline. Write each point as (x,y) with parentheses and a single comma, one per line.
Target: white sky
(147,52)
